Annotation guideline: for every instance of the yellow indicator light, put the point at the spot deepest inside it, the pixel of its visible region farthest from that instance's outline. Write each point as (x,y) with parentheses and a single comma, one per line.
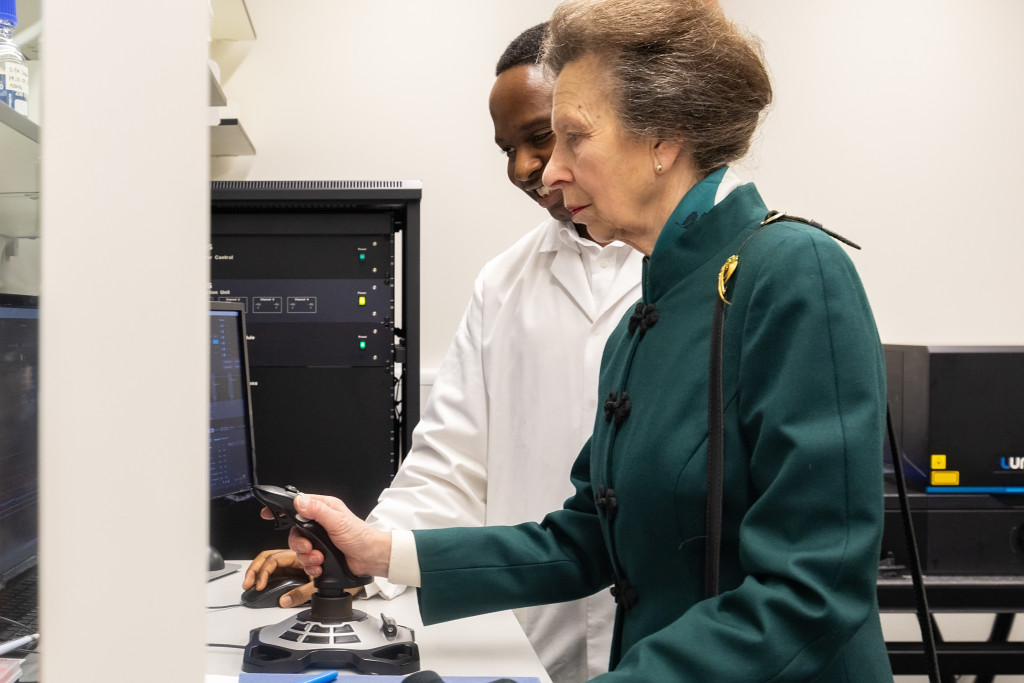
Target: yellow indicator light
(946,478)
(938,462)
(362,301)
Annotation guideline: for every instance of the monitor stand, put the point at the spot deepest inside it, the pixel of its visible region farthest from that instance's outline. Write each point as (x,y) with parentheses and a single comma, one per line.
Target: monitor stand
(218,567)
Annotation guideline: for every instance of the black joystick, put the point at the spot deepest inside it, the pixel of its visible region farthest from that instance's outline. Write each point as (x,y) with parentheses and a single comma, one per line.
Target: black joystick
(331,602)
(331,633)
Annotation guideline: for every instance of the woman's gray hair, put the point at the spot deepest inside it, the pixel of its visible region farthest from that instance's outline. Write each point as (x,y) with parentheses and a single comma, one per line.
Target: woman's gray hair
(678,70)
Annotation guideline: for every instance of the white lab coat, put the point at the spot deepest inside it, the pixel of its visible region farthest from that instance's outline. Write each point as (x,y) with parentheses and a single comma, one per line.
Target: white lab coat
(513,403)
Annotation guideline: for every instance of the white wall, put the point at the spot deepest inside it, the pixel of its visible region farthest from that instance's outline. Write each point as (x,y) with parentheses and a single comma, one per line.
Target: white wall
(895,123)
(339,89)
(898,124)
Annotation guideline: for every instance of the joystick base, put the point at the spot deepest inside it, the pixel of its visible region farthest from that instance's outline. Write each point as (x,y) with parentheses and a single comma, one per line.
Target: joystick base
(362,642)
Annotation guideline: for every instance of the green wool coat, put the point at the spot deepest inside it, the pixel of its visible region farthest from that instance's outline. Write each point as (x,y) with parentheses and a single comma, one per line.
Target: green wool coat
(804,396)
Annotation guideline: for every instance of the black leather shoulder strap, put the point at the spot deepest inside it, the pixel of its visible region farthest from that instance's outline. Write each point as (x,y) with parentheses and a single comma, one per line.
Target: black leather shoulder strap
(716,456)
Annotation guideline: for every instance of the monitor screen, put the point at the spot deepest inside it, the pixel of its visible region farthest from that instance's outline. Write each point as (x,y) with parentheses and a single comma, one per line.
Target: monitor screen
(230,421)
(19,472)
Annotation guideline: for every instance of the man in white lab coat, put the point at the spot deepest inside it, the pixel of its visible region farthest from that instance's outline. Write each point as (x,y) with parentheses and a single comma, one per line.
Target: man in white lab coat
(515,397)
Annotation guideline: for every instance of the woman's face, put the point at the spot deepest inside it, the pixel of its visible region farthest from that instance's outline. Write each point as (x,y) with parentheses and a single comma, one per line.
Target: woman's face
(606,176)
(521,111)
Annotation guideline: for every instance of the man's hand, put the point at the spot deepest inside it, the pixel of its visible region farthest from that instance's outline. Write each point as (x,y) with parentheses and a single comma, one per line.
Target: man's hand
(271,562)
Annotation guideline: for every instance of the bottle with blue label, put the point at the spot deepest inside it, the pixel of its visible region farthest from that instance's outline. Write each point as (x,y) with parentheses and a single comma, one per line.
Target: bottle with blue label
(13,71)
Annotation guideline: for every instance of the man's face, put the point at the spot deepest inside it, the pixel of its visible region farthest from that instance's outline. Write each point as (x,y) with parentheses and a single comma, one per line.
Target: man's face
(521,110)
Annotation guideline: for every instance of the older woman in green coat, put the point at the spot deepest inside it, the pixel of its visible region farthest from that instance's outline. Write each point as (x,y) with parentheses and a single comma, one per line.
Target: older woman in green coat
(653,100)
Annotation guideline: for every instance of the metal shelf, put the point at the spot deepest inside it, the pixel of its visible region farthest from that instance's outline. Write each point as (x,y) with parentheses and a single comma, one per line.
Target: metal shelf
(999,595)
(230,22)
(19,175)
(14,122)
(217,96)
(229,139)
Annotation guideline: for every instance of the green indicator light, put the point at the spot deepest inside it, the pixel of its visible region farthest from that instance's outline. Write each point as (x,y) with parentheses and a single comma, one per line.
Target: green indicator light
(362,257)
(362,344)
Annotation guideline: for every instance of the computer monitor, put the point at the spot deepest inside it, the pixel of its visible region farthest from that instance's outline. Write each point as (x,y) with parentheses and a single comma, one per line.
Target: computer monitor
(956,411)
(19,470)
(231,441)
(956,414)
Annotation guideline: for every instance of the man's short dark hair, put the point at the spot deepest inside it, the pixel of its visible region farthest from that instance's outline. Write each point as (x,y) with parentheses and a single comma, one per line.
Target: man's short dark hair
(524,49)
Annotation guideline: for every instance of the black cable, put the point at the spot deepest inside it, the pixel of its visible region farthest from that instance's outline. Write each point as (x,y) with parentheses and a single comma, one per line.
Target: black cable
(230,645)
(943,678)
(924,617)
(1000,633)
(237,604)
(26,649)
(18,624)
(1001,627)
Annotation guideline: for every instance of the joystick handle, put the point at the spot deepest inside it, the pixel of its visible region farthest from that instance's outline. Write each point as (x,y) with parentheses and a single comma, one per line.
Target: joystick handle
(336,576)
